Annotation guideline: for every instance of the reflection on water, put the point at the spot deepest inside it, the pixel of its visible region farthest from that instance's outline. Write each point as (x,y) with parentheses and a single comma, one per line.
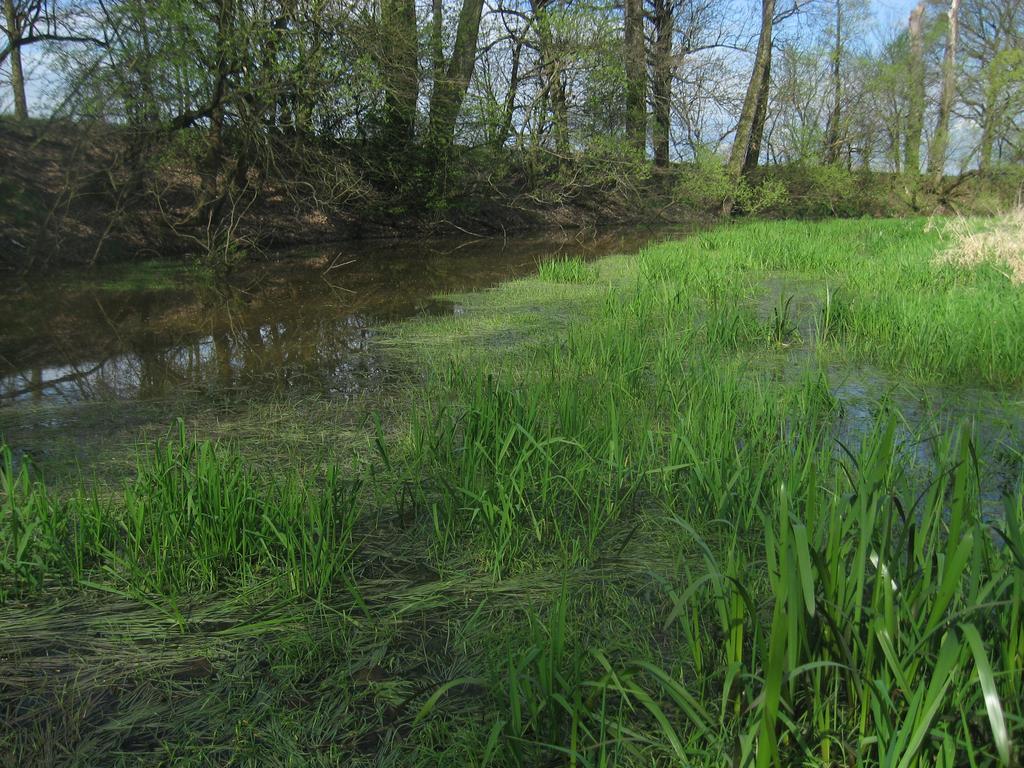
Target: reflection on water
(306,320)
(928,416)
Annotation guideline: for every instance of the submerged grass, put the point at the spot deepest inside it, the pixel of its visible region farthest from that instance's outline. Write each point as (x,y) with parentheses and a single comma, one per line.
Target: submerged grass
(600,534)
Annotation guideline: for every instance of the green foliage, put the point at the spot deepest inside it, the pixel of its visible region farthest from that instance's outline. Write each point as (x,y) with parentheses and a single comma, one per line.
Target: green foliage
(606,166)
(195,518)
(706,186)
(818,190)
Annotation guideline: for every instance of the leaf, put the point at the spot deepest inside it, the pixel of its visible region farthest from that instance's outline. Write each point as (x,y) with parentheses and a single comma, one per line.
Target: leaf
(803,562)
(941,677)
(988,686)
(428,706)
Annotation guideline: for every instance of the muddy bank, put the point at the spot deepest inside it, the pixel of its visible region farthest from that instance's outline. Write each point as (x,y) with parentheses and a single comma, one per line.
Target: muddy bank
(90,194)
(72,194)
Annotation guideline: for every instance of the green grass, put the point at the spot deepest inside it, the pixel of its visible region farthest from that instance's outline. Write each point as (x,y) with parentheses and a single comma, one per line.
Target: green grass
(607,530)
(890,303)
(195,518)
(567,270)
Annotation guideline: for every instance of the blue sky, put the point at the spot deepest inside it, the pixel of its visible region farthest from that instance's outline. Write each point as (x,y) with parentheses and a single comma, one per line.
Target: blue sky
(892,11)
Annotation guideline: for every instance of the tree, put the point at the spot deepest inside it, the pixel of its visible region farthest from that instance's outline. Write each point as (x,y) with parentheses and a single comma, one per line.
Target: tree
(636,75)
(546,16)
(991,89)
(661,79)
(832,130)
(760,73)
(940,142)
(14,32)
(400,68)
(27,22)
(760,120)
(448,95)
(916,93)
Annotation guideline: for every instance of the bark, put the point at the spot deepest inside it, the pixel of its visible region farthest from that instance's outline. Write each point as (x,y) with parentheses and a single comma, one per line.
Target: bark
(636,75)
(915,112)
(894,132)
(436,40)
(560,112)
(832,137)
(400,65)
(661,87)
(760,117)
(937,151)
(505,130)
(450,92)
(748,115)
(17,73)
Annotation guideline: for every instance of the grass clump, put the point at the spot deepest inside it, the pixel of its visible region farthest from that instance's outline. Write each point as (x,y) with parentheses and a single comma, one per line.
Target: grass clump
(889,300)
(195,518)
(567,270)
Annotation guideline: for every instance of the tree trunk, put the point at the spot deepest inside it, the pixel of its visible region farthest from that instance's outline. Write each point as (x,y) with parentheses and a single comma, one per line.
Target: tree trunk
(832,138)
(748,115)
(560,112)
(446,100)
(636,75)
(505,129)
(915,111)
(937,151)
(400,67)
(760,118)
(552,88)
(661,87)
(17,73)
(436,41)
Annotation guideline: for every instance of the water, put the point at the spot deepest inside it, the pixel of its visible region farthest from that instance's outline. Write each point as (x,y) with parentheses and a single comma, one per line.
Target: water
(98,355)
(866,395)
(306,320)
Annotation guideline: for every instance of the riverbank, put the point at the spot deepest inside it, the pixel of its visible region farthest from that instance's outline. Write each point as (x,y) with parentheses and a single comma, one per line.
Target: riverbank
(86,194)
(752,495)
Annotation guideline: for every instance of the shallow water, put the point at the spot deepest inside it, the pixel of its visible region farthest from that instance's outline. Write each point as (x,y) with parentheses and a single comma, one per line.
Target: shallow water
(305,320)
(865,395)
(97,355)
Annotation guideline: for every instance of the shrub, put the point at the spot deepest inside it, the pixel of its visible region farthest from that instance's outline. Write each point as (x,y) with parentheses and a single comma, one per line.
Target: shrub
(708,185)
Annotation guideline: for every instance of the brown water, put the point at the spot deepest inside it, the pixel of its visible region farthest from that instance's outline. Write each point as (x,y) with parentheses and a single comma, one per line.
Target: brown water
(305,320)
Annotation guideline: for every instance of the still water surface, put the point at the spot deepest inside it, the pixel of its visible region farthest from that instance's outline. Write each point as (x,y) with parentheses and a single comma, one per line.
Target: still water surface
(305,320)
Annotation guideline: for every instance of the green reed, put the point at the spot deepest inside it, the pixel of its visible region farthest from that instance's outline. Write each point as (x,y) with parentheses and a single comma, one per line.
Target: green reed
(851,620)
(887,295)
(197,516)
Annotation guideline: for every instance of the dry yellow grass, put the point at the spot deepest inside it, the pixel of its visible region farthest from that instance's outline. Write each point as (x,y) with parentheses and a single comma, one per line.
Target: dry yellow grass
(999,241)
